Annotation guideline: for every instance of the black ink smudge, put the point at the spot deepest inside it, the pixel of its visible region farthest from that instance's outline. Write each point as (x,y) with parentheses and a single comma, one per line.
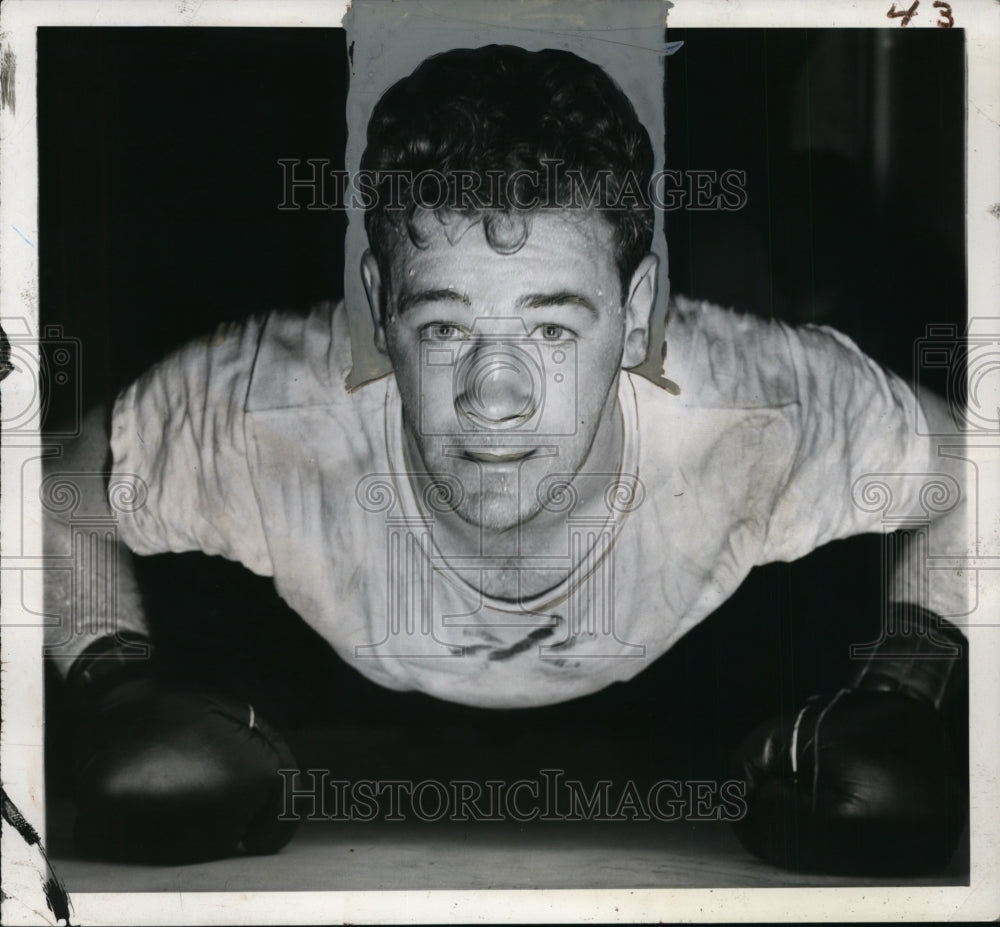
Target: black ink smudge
(8,66)
(6,367)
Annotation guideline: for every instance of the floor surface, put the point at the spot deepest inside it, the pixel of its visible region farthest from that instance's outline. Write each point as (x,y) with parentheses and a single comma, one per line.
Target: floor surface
(352,856)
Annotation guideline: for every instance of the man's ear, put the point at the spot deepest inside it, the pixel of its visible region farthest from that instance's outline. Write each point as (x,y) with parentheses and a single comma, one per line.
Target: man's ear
(371,276)
(638,308)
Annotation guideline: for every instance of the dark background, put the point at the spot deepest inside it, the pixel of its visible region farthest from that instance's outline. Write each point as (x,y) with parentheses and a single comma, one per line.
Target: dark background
(159,186)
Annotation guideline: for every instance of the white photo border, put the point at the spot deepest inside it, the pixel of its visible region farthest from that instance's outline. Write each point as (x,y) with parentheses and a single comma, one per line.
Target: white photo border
(22,750)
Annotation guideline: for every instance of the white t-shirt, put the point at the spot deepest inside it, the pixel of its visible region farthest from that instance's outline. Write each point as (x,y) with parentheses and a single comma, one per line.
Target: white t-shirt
(250,446)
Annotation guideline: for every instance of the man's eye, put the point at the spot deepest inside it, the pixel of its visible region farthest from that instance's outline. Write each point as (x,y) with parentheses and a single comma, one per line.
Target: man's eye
(443,331)
(550,332)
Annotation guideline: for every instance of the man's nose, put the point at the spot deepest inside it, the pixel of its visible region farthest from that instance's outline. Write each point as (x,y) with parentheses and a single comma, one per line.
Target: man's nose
(495,385)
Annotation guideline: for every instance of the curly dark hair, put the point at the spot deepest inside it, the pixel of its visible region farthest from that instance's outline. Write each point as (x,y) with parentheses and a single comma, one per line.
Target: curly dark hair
(512,114)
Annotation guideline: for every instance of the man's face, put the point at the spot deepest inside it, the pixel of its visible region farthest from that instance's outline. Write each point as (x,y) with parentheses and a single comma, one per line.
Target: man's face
(508,364)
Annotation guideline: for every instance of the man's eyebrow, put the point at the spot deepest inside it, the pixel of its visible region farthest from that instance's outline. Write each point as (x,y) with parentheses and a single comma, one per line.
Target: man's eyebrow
(411,300)
(559,298)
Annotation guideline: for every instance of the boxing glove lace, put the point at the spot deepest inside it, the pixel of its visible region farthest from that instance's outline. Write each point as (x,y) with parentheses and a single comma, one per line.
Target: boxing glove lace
(169,772)
(870,779)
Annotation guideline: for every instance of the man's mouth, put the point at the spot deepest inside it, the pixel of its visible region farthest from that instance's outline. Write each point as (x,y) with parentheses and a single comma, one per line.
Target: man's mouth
(499,455)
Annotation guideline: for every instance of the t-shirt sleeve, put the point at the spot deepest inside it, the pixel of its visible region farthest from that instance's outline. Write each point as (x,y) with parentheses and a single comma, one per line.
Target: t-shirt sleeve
(179,453)
(861,448)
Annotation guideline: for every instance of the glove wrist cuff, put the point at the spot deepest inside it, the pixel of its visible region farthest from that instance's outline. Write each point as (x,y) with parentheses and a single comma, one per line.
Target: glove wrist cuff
(106,663)
(919,655)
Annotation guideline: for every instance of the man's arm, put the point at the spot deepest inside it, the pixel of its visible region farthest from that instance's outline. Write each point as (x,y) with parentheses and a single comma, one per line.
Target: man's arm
(947,503)
(104,564)
(179,480)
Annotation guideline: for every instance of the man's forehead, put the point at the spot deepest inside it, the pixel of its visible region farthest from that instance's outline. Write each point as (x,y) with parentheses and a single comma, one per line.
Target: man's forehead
(566,236)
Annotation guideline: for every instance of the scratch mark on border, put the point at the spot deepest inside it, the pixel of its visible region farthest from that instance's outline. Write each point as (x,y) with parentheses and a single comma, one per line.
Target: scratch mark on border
(983,113)
(23,236)
(55,893)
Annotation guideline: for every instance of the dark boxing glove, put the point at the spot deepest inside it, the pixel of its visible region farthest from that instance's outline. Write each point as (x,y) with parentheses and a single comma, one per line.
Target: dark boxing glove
(167,772)
(871,779)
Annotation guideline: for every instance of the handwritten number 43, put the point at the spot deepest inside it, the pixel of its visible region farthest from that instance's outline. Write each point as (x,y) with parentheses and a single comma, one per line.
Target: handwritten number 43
(945,19)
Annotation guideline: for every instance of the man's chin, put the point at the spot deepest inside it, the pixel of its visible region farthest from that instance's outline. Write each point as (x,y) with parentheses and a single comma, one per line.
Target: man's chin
(495,511)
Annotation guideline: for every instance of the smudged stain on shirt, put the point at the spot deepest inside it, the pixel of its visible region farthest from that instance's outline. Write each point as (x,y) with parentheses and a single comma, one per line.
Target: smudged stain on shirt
(522,645)
(495,653)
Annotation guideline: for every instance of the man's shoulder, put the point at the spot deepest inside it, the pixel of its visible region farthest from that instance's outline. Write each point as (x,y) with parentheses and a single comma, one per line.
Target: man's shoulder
(303,360)
(719,357)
